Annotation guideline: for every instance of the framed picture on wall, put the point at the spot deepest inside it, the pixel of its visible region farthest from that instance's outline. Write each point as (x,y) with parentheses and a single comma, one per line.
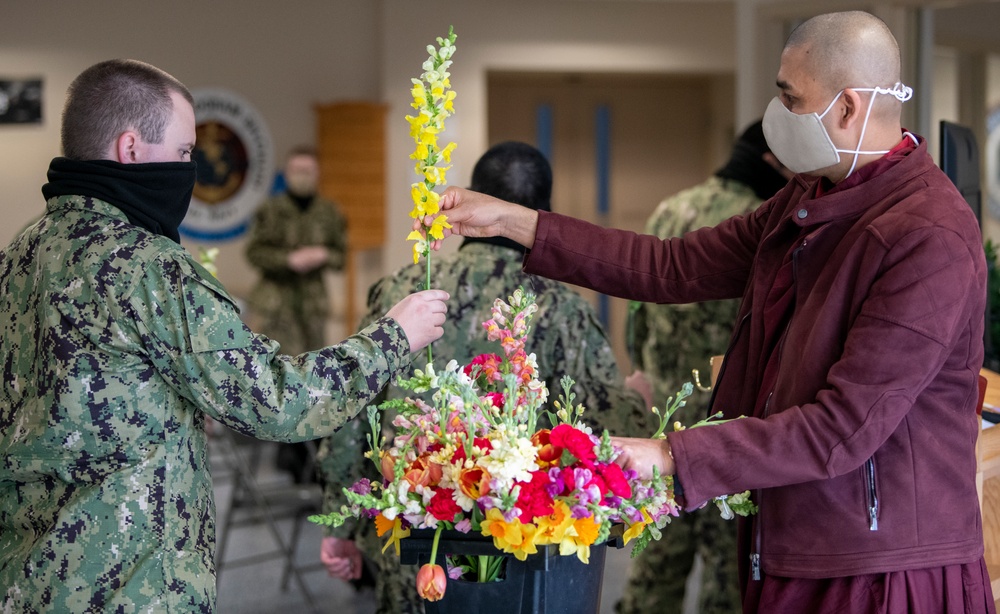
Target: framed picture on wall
(20,101)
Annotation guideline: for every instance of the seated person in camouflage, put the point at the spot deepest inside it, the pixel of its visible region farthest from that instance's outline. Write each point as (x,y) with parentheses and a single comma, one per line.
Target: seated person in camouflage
(115,344)
(668,342)
(566,338)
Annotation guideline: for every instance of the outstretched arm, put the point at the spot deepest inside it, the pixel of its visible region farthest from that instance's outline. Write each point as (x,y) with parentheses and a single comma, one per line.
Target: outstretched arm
(472,214)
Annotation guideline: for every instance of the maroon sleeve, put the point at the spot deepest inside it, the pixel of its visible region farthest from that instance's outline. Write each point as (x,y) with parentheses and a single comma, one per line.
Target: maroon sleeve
(707,264)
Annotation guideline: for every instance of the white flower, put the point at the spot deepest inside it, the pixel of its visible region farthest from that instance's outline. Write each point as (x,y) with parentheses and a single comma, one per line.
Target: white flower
(511,460)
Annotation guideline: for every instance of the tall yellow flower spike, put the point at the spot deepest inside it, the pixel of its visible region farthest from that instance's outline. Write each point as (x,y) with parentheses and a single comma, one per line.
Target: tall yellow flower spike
(433,100)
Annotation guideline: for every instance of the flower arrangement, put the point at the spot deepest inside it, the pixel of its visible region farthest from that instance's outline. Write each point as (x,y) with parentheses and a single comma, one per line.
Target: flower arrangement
(472,454)
(475,456)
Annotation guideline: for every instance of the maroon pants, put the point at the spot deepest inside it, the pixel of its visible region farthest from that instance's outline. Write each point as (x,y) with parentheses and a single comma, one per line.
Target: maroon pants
(955,589)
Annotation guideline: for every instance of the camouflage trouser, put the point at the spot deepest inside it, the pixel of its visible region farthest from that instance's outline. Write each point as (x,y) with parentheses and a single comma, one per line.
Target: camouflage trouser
(656,583)
(395,584)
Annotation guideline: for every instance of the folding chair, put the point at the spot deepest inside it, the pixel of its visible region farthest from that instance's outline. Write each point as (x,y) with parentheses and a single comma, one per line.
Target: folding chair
(253,503)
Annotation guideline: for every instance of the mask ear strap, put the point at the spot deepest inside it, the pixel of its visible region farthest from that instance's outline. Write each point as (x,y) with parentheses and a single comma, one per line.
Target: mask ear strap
(864,128)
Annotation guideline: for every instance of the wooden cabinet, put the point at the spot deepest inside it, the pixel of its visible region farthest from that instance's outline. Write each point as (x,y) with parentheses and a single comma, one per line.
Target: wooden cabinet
(351,144)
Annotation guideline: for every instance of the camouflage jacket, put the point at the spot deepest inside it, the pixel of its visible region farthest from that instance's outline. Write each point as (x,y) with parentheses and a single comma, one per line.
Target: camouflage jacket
(566,338)
(114,345)
(280,227)
(668,341)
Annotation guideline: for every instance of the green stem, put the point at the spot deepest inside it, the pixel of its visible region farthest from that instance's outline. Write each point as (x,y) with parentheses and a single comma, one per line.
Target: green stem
(434,546)
(483,567)
(427,286)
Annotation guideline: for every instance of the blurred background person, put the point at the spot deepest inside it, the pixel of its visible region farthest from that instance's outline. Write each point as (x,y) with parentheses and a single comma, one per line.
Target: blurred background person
(296,236)
(667,342)
(566,337)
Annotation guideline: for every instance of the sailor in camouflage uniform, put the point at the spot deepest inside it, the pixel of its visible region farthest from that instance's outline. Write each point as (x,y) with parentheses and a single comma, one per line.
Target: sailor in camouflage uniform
(295,237)
(668,342)
(114,346)
(566,337)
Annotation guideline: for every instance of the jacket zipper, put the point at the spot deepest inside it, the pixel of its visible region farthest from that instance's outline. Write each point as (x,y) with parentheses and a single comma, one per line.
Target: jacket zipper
(872,490)
(755,572)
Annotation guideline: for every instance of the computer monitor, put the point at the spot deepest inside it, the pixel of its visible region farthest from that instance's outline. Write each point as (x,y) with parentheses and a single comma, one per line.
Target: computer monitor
(960,162)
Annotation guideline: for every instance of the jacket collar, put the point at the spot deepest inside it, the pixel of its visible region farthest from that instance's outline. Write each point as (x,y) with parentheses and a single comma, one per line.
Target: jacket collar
(854,201)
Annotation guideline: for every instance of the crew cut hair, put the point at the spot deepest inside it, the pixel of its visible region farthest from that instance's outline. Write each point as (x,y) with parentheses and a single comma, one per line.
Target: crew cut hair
(112,97)
(515,172)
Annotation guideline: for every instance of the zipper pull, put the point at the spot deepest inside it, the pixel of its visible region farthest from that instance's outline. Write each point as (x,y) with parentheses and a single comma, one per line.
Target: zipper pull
(755,566)
(873,514)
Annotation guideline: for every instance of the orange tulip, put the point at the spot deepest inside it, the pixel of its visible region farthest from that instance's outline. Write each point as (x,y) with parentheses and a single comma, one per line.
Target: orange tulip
(423,473)
(474,482)
(387,462)
(431,582)
(548,454)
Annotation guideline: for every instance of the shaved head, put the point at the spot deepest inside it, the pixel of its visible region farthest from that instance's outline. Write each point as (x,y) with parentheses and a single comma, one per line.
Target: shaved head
(850,49)
(853,49)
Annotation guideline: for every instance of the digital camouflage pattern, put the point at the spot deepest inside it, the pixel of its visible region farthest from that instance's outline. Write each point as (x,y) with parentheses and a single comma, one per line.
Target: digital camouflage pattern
(291,307)
(115,346)
(668,342)
(566,338)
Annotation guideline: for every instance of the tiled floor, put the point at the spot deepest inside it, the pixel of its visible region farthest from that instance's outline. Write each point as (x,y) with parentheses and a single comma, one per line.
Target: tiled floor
(256,589)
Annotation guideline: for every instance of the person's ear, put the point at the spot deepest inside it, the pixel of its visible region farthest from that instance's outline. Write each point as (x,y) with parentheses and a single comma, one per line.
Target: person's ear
(852,109)
(127,148)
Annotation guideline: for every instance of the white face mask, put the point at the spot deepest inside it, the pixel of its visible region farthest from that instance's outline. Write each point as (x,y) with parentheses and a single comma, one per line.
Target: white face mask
(801,142)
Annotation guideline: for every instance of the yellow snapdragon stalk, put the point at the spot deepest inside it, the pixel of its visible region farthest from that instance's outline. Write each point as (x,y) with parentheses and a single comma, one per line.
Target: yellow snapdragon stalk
(433,100)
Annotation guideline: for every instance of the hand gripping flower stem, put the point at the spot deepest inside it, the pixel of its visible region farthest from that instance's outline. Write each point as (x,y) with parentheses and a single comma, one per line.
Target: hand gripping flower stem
(433,99)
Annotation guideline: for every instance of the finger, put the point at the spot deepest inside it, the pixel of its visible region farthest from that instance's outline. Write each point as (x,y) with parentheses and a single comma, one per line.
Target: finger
(435,297)
(449,198)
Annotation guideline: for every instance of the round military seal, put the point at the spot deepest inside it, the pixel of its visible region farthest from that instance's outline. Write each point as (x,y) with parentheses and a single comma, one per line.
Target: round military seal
(235,165)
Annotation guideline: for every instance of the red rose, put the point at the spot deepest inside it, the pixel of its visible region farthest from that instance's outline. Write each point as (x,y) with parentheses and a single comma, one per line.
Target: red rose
(576,441)
(614,477)
(533,500)
(442,505)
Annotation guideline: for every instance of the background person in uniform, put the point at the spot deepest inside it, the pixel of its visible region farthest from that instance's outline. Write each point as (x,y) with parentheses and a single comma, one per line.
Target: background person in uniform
(667,342)
(857,350)
(295,237)
(114,346)
(566,338)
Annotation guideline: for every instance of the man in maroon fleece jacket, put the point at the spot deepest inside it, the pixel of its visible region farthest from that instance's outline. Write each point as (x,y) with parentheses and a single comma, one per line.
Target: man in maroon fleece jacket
(856,353)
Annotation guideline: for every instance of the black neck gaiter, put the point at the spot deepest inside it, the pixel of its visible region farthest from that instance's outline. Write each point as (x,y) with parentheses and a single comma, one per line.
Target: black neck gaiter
(154,196)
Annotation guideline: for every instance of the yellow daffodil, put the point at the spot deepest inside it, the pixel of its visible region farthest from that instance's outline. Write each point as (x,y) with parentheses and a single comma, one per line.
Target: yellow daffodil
(512,537)
(635,530)
(579,537)
(552,528)
(383,525)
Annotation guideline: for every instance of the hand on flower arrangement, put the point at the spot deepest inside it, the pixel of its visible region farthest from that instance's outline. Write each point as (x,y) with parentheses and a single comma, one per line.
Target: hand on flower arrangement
(641,454)
(472,214)
(421,315)
(341,558)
